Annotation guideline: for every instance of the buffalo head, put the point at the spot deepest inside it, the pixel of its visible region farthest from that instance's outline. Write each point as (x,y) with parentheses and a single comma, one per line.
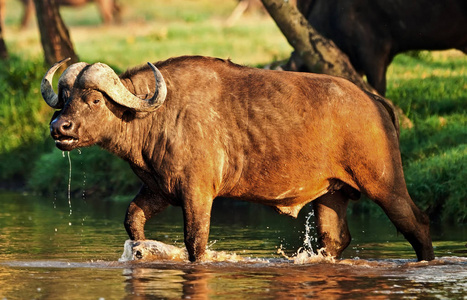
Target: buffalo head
(90,99)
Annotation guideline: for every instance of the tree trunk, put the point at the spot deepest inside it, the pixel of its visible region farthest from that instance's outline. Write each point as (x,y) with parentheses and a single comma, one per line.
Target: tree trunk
(55,38)
(3,50)
(28,7)
(319,54)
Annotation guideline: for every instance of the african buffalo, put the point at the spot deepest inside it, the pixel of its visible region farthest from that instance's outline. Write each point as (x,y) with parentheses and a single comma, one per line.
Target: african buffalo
(195,128)
(372,32)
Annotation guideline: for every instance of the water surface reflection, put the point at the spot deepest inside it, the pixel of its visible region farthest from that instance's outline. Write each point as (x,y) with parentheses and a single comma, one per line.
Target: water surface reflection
(383,279)
(45,253)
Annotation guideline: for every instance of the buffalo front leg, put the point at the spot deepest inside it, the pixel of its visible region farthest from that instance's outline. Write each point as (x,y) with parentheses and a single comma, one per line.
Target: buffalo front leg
(143,207)
(197,218)
(331,220)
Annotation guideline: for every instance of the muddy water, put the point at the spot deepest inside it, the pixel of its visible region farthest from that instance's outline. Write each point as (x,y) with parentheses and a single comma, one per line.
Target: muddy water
(46,253)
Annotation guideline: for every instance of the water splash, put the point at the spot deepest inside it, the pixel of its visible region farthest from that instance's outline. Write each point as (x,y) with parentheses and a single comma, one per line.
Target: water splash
(309,232)
(306,254)
(150,250)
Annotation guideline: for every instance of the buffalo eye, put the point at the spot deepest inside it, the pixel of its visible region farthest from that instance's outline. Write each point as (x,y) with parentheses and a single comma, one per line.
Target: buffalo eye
(96,101)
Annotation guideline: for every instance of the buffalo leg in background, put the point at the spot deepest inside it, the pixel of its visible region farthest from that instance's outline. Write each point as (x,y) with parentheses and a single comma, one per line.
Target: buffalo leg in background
(331,220)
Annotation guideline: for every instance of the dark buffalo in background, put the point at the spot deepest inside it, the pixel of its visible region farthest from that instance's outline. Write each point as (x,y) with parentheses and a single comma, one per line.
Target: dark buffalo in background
(372,32)
(197,128)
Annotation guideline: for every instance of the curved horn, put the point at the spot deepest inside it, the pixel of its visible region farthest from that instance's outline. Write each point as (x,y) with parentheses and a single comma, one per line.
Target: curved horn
(101,77)
(47,90)
(67,79)
(161,88)
(69,76)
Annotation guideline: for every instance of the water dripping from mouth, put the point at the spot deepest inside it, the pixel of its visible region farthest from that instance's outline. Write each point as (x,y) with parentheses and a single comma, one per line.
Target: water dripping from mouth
(69,181)
(55,200)
(83,194)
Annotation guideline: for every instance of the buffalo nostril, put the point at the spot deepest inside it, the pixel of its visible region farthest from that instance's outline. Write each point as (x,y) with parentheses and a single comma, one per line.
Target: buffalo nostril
(61,127)
(66,125)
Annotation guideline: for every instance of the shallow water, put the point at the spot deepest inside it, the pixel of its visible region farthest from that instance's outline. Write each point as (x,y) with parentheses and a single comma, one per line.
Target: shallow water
(46,253)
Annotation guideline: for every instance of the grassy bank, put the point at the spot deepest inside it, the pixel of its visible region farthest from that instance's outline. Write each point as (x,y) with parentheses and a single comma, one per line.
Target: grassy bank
(431,88)
(23,119)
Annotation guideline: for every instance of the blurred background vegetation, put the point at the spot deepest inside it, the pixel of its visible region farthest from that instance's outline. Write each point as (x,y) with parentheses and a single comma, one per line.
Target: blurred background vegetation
(430,87)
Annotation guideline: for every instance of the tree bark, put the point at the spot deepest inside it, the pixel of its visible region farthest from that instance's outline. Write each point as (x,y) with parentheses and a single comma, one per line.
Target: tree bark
(319,54)
(28,7)
(55,38)
(3,49)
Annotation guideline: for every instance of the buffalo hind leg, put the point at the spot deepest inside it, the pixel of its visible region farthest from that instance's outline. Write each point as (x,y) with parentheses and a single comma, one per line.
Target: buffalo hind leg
(411,222)
(143,207)
(331,222)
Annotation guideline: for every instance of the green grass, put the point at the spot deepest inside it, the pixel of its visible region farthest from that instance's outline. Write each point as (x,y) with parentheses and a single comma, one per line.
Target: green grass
(16,83)
(23,118)
(157,32)
(244,44)
(430,87)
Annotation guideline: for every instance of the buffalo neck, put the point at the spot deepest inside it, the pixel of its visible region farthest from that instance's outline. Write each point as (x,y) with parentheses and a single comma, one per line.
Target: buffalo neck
(136,136)
(136,139)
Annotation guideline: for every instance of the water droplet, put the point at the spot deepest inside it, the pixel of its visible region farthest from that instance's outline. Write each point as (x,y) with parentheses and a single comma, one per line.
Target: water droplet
(69,184)
(84,185)
(308,232)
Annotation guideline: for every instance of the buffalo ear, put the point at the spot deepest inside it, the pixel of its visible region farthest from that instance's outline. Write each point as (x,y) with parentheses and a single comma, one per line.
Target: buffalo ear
(141,114)
(128,115)
(120,111)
